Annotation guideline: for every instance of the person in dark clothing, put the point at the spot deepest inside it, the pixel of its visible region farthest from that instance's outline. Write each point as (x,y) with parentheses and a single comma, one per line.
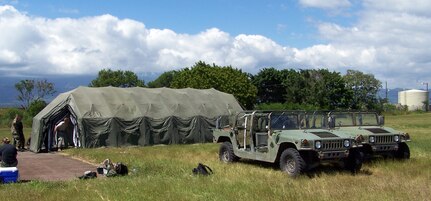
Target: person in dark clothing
(8,154)
(18,133)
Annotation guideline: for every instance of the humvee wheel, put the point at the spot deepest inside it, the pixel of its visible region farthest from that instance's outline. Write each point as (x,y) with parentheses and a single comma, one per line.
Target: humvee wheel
(403,151)
(291,162)
(226,153)
(353,163)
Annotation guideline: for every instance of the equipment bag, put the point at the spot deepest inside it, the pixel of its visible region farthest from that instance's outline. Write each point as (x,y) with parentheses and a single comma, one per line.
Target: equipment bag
(121,169)
(88,175)
(202,169)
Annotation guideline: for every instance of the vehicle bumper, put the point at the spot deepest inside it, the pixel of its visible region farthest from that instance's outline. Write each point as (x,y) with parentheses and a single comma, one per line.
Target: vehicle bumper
(325,155)
(384,147)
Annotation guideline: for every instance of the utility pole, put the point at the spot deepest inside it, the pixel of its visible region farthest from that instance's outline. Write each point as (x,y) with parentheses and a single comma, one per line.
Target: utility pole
(386,83)
(428,99)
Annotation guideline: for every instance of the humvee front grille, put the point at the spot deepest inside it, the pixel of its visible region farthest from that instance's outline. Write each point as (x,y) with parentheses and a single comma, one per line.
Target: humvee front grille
(332,144)
(385,139)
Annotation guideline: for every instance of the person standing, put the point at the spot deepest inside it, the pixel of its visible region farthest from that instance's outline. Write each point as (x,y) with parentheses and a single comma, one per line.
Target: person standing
(18,133)
(62,130)
(8,154)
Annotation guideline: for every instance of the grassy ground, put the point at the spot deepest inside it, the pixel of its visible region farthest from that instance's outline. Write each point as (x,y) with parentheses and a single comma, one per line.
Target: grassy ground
(165,173)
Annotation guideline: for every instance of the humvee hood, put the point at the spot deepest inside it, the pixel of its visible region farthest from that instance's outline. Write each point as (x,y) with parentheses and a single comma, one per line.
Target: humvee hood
(377,130)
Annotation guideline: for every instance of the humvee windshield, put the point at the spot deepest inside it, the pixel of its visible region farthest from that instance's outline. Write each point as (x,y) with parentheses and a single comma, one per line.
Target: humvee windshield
(344,119)
(284,121)
(358,119)
(367,119)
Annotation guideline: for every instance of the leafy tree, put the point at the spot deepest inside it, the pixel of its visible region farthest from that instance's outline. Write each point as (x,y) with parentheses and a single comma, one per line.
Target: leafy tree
(364,88)
(269,84)
(164,80)
(294,85)
(315,88)
(118,78)
(225,79)
(330,91)
(27,94)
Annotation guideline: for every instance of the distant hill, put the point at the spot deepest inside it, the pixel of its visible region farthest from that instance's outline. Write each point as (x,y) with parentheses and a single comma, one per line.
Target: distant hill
(8,93)
(392,94)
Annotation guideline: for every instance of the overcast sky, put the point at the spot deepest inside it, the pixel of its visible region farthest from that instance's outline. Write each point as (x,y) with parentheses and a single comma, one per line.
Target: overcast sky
(388,38)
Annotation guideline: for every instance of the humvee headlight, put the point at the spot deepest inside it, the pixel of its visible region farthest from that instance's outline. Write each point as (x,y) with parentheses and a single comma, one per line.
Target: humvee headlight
(372,139)
(346,143)
(318,144)
(396,138)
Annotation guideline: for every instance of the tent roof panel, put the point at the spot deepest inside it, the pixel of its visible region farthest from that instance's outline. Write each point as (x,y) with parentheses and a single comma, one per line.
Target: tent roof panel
(129,103)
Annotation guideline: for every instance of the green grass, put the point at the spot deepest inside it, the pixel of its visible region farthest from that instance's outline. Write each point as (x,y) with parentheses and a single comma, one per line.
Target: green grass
(165,173)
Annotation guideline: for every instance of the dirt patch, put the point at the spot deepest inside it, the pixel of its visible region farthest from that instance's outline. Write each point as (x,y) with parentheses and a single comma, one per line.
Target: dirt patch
(50,167)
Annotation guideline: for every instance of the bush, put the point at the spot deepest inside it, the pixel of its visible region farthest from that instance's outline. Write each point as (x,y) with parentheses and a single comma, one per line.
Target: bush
(270,106)
(286,106)
(35,107)
(297,106)
(8,116)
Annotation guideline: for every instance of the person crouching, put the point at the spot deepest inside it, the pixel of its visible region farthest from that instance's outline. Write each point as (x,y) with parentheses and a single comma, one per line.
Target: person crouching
(61,130)
(8,154)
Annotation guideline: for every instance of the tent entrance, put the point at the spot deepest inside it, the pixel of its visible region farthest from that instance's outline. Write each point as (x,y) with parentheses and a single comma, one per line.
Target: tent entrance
(71,139)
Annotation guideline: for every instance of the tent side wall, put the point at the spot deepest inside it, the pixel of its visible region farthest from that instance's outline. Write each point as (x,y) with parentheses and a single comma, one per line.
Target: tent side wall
(144,131)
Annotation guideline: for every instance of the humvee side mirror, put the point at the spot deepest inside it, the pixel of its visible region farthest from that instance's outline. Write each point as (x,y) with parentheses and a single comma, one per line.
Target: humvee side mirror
(381,120)
(331,122)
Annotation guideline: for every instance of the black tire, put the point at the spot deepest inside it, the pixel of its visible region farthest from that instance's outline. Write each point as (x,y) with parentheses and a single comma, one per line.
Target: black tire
(226,153)
(353,162)
(291,162)
(403,152)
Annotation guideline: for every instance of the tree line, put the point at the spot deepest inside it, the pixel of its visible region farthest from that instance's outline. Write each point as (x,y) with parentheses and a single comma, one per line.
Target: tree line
(270,88)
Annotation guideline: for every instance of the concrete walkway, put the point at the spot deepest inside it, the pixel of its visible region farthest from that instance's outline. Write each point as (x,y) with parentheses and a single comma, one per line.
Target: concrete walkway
(50,167)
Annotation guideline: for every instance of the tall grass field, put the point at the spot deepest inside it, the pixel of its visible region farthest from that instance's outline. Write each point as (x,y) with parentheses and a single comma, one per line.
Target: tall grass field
(165,173)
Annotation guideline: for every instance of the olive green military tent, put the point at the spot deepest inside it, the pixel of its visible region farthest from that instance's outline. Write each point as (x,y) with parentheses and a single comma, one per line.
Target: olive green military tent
(110,116)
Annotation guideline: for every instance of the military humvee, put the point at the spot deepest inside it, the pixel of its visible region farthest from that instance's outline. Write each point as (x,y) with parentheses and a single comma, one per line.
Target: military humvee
(378,140)
(287,138)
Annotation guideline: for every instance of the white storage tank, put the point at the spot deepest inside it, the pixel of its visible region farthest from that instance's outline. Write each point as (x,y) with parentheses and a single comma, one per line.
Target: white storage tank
(415,99)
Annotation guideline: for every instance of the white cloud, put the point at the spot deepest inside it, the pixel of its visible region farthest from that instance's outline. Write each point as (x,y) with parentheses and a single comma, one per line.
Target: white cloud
(326,4)
(418,7)
(86,45)
(389,41)
(8,57)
